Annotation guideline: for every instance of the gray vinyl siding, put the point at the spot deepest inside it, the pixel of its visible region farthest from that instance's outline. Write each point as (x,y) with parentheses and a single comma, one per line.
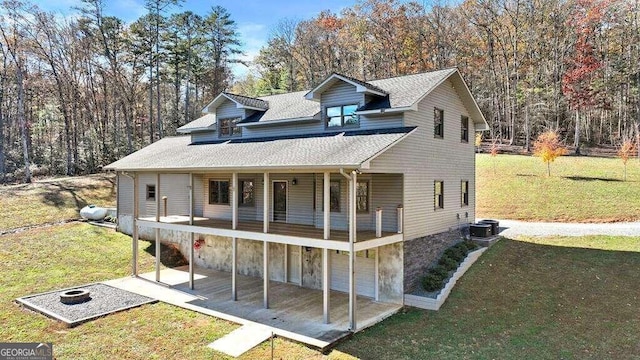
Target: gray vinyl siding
(424,159)
(228,109)
(338,219)
(203,136)
(299,206)
(174,186)
(341,93)
(124,195)
(385,191)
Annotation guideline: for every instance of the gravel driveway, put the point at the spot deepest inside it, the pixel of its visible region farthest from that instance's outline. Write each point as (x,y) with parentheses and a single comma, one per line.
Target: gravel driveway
(514,228)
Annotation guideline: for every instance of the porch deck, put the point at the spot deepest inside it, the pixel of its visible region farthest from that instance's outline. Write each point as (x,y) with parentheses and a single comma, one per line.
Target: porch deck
(283,229)
(295,312)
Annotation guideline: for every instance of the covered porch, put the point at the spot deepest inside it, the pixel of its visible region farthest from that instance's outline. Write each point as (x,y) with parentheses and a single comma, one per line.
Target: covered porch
(334,248)
(294,312)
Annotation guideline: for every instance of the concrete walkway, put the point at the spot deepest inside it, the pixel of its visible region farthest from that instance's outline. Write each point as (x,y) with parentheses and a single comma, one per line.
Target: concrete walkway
(512,228)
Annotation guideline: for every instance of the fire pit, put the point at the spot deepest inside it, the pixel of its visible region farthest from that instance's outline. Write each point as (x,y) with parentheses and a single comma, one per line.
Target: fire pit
(75,296)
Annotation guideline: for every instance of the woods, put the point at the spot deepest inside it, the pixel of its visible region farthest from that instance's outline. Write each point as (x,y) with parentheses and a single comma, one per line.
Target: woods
(79,92)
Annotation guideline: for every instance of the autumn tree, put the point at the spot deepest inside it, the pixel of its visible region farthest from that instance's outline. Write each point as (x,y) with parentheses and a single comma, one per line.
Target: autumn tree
(625,151)
(548,147)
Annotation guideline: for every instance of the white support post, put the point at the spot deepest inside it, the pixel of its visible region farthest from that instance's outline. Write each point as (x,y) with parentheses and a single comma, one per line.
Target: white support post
(191,234)
(265,273)
(400,218)
(265,210)
(376,280)
(300,253)
(326,285)
(157,232)
(379,222)
(352,255)
(234,201)
(286,263)
(136,211)
(234,268)
(326,204)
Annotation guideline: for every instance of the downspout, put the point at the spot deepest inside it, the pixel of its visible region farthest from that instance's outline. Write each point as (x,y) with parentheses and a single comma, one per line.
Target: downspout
(352,239)
(134,231)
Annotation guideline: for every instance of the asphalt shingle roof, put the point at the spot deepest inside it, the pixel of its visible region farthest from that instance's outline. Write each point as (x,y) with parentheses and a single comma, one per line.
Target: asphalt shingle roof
(403,91)
(202,122)
(248,101)
(347,149)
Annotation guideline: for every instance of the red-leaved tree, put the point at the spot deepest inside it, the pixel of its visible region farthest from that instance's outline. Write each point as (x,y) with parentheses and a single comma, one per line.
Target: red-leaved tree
(579,81)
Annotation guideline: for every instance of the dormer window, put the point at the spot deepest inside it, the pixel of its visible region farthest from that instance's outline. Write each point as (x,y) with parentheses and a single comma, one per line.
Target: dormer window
(341,116)
(229,127)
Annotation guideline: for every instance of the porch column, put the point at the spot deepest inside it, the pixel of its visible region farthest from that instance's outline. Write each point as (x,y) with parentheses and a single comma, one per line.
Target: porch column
(192,235)
(352,255)
(265,273)
(235,193)
(157,231)
(234,201)
(134,265)
(327,205)
(326,261)
(234,268)
(265,200)
(376,280)
(326,285)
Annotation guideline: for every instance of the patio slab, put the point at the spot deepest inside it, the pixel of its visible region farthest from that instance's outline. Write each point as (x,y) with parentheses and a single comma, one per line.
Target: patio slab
(295,312)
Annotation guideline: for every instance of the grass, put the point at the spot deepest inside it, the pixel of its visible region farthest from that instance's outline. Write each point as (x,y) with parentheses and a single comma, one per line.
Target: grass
(538,298)
(51,258)
(580,189)
(53,200)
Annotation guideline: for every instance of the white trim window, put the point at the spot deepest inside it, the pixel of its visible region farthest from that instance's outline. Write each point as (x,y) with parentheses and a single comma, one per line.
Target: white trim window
(438,194)
(341,116)
(464,193)
(219,192)
(229,127)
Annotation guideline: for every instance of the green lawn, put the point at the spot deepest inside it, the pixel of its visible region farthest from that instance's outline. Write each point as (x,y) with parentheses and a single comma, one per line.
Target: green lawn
(53,200)
(61,256)
(560,297)
(530,299)
(581,189)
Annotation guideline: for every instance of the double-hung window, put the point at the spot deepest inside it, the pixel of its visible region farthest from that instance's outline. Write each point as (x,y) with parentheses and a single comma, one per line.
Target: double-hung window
(151,192)
(229,127)
(438,195)
(246,193)
(362,197)
(464,193)
(334,196)
(438,123)
(464,129)
(340,116)
(219,192)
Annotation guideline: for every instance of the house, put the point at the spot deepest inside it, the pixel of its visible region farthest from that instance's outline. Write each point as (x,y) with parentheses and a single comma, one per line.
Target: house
(353,186)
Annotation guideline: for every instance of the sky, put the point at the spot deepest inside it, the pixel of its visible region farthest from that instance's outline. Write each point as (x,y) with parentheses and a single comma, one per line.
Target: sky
(254,18)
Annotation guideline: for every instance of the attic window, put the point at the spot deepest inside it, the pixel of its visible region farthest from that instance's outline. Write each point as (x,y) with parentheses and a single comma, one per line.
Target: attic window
(339,116)
(229,127)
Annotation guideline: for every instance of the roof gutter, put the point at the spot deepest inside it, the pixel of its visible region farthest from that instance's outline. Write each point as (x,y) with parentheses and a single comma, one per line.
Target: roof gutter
(385,111)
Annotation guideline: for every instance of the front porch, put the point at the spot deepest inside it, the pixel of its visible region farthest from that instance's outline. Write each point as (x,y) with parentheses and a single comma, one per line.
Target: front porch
(295,312)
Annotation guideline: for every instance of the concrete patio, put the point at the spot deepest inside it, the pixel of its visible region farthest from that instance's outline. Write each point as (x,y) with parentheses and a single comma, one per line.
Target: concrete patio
(295,312)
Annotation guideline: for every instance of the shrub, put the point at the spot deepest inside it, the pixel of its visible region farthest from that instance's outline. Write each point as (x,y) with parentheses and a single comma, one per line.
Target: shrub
(432,282)
(462,246)
(455,253)
(448,263)
(440,270)
(470,245)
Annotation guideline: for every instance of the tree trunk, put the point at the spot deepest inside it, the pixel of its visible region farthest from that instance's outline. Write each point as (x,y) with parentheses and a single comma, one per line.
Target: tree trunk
(23,123)
(576,136)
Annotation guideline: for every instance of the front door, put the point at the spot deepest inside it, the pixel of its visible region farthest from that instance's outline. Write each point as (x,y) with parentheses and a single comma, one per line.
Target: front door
(280,201)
